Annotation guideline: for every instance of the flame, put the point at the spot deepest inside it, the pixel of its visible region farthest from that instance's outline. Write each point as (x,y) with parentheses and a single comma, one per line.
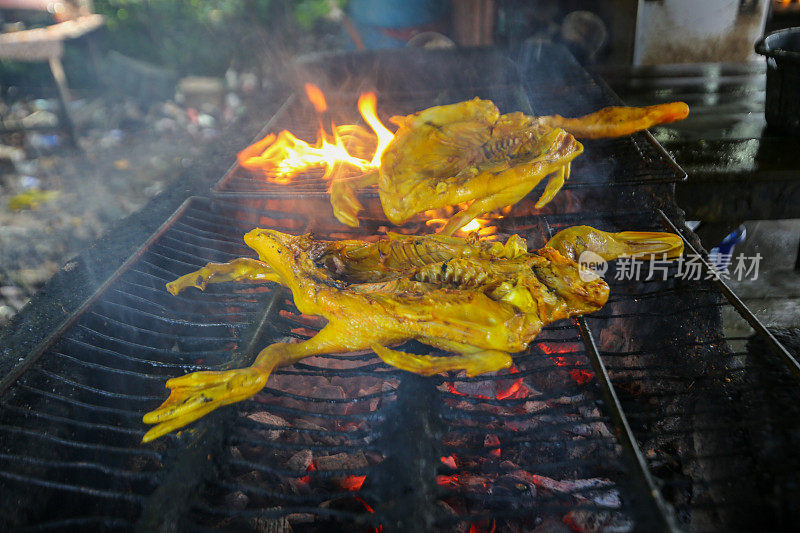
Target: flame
(368,107)
(348,148)
(486,230)
(316,98)
(473,226)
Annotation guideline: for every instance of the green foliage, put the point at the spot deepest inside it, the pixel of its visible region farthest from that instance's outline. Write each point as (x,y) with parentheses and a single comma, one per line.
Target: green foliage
(202,36)
(308,12)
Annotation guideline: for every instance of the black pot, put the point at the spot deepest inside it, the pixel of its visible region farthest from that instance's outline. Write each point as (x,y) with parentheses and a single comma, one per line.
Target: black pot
(782,49)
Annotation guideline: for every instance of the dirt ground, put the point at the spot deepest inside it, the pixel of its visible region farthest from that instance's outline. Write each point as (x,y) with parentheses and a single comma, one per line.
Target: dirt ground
(130,152)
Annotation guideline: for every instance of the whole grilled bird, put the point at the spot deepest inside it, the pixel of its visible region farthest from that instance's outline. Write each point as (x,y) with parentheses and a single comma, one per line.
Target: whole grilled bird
(469,155)
(481,301)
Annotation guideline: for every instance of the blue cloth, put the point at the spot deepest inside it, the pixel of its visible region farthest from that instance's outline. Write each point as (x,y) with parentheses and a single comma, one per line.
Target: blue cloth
(396,13)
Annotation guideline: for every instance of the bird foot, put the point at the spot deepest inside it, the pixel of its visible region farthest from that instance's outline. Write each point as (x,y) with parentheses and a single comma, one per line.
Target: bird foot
(197,394)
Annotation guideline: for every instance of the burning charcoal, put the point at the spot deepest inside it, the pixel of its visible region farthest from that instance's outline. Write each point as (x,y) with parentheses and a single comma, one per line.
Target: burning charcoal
(317,434)
(302,484)
(508,466)
(599,427)
(300,461)
(310,438)
(493,443)
(301,518)
(534,406)
(586,521)
(471,482)
(352,483)
(516,487)
(513,387)
(567,400)
(580,430)
(484,388)
(445,507)
(271,525)
(552,525)
(263,417)
(608,497)
(373,402)
(252,477)
(237,500)
(341,461)
(351,426)
(328,392)
(449,461)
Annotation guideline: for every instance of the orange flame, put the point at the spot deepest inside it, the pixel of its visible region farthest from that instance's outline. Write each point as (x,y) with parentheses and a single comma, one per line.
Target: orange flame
(484,227)
(316,97)
(349,147)
(368,107)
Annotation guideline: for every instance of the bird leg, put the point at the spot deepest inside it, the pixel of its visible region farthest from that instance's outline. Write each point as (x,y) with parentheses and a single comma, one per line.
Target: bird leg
(618,121)
(343,197)
(195,395)
(474,363)
(240,269)
(572,242)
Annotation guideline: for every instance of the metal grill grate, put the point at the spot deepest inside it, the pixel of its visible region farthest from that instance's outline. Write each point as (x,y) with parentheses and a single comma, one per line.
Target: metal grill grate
(691,397)
(84,396)
(71,424)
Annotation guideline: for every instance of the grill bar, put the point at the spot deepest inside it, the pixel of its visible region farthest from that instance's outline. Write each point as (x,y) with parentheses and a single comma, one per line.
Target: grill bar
(777,348)
(75,410)
(169,503)
(59,331)
(644,481)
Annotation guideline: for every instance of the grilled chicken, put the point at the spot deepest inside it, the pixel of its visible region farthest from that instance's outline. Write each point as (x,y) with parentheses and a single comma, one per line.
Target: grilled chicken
(468,154)
(481,301)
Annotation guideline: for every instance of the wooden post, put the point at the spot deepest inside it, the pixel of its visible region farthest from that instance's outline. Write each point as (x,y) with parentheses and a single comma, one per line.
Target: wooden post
(57,69)
(473,22)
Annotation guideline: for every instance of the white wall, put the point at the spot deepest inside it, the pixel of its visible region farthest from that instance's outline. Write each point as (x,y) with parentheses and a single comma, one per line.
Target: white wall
(686,31)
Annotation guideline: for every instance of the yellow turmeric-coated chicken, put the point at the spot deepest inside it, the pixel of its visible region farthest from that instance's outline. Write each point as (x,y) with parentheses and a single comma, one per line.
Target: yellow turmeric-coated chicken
(481,301)
(469,154)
